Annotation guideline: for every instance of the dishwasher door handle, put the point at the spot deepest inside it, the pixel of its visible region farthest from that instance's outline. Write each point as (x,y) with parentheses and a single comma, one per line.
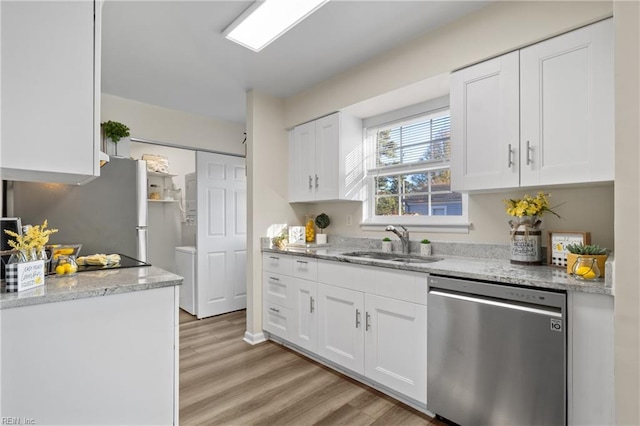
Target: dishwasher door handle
(518,307)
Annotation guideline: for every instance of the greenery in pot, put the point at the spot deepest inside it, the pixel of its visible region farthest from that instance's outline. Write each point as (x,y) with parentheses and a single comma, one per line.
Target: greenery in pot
(280,241)
(322,221)
(114,130)
(589,249)
(385,239)
(425,241)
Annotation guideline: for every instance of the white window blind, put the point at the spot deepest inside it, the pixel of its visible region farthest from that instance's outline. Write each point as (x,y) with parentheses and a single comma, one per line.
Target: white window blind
(408,169)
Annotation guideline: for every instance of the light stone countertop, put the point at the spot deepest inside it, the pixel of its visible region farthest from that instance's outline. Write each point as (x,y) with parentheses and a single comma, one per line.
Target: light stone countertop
(91,284)
(495,270)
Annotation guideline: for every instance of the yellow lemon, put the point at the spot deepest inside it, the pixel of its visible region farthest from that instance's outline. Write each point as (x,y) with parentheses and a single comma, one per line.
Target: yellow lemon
(68,268)
(60,270)
(585,272)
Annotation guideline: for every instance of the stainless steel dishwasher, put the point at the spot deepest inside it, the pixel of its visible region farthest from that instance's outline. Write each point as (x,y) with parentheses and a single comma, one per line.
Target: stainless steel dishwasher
(496,354)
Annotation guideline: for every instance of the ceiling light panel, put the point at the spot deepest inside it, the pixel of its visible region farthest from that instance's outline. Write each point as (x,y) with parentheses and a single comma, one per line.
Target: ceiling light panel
(267,20)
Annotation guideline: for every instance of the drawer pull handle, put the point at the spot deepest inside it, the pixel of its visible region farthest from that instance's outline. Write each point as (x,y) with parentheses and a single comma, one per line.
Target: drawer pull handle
(367,323)
(357,318)
(311,303)
(302,261)
(274,279)
(274,257)
(274,310)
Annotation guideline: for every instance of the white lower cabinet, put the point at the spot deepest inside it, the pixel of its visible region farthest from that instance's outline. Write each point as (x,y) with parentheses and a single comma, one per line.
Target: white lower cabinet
(395,345)
(305,330)
(377,330)
(340,326)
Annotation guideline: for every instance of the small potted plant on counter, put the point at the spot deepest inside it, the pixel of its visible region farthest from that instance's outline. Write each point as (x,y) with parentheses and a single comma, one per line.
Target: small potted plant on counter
(591,251)
(425,247)
(322,221)
(386,245)
(281,240)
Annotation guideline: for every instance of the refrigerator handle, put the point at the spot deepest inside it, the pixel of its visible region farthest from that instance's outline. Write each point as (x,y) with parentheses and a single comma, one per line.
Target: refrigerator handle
(141,173)
(142,243)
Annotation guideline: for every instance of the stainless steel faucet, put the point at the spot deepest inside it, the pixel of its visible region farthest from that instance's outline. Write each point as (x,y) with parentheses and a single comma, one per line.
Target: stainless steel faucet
(404,237)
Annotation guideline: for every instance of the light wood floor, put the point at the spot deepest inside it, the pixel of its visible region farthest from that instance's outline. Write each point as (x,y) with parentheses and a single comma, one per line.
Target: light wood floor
(225,381)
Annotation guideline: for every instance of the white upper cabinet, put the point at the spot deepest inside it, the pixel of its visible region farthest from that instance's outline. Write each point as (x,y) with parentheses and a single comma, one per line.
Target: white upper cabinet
(566,109)
(484,125)
(539,116)
(50,91)
(325,159)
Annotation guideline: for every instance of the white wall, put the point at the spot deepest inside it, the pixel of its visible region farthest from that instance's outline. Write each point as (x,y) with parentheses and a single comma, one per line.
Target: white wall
(165,125)
(267,190)
(627,212)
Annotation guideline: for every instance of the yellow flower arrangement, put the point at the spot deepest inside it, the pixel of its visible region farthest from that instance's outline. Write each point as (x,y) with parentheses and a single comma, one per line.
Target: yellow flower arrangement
(32,242)
(529,206)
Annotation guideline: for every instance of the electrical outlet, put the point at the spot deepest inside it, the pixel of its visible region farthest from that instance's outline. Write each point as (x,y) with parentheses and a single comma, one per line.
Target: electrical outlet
(349,220)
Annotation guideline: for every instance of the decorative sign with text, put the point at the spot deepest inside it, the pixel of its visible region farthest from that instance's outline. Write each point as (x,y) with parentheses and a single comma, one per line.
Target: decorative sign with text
(25,275)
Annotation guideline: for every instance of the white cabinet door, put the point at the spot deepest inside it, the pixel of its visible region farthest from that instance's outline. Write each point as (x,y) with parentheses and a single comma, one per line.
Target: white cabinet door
(567,108)
(485,133)
(396,345)
(340,326)
(304,330)
(326,178)
(591,359)
(50,92)
(302,164)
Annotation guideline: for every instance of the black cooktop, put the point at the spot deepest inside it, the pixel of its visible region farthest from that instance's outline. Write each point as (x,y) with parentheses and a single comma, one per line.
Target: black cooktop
(125,262)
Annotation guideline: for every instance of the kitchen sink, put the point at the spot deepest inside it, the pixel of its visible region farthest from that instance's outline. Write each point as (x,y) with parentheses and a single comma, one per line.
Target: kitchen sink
(394,257)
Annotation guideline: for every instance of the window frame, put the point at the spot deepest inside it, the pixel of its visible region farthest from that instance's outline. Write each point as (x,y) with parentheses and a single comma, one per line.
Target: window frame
(433,223)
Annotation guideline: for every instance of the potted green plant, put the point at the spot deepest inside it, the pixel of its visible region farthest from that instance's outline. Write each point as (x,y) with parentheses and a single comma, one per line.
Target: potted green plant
(322,221)
(386,245)
(113,131)
(593,251)
(425,247)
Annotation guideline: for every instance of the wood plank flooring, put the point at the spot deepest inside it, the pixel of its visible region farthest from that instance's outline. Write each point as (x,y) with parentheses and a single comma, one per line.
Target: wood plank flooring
(225,381)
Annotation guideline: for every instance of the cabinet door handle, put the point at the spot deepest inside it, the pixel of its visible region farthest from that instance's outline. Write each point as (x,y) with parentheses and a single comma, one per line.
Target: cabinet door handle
(274,310)
(317,181)
(367,321)
(310,183)
(510,163)
(357,318)
(274,279)
(301,261)
(529,149)
(274,257)
(311,305)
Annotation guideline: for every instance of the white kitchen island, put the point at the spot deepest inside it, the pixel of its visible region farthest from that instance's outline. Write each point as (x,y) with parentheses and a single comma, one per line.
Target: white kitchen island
(96,348)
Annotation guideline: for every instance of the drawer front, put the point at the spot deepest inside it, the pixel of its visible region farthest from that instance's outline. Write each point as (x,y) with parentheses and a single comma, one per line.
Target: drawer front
(305,268)
(277,320)
(278,263)
(278,289)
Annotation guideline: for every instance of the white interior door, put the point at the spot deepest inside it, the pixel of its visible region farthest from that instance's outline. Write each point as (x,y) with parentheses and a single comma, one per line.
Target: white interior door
(221,239)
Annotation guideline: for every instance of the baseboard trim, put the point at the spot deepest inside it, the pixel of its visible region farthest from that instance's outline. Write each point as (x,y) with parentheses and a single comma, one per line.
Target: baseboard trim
(254,339)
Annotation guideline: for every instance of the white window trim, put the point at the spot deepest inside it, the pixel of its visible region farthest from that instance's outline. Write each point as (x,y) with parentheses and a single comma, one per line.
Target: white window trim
(370,222)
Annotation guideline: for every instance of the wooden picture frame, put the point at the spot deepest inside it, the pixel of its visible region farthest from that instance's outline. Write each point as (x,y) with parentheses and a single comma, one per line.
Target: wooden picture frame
(557,242)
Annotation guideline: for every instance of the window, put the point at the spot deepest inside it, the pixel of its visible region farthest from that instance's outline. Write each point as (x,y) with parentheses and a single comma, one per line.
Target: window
(409,174)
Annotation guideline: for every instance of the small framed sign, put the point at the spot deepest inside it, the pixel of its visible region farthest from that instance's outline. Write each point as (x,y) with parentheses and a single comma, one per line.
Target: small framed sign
(557,245)
(24,276)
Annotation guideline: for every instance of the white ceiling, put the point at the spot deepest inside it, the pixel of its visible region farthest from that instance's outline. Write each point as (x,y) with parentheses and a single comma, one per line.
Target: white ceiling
(172,53)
